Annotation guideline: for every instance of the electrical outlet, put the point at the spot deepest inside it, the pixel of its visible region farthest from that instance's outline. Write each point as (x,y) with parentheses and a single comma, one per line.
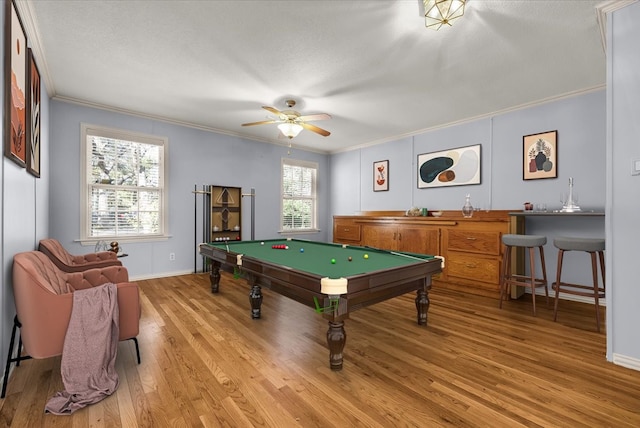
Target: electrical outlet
(172,256)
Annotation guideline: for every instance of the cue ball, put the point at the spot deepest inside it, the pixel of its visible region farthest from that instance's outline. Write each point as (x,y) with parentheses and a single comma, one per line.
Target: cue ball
(350,259)
(366,256)
(286,247)
(262,243)
(333,261)
(302,250)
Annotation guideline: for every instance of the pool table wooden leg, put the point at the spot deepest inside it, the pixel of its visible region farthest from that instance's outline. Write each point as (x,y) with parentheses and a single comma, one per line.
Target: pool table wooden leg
(214,277)
(336,339)
(422,305)
(255,297)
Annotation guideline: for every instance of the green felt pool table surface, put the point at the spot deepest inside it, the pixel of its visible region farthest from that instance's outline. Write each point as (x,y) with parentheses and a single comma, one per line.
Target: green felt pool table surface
(315,257)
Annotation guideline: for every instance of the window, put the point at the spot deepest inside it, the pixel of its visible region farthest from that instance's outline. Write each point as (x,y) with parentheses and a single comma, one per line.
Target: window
(298,195)
(123,195)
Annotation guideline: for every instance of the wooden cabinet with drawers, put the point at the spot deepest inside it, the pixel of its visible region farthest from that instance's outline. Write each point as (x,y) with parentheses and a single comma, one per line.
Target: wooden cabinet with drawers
(472,247)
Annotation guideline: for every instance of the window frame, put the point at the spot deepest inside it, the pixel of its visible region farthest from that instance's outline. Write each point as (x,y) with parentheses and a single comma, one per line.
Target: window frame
(314,195)
(85,175)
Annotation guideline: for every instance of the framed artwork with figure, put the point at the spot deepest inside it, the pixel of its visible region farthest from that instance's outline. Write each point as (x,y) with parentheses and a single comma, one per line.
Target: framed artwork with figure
(15,75)
(540,155)
(381,176)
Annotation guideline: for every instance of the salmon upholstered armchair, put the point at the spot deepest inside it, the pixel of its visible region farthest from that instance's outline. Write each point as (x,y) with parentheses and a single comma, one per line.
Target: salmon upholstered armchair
(44,300)
(70,263)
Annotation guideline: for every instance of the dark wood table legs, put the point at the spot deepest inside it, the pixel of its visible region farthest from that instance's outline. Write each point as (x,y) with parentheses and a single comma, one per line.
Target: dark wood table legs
(336,339)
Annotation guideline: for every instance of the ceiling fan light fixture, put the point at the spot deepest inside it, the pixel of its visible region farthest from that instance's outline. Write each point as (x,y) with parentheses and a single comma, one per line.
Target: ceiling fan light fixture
(440,12)
(290,129)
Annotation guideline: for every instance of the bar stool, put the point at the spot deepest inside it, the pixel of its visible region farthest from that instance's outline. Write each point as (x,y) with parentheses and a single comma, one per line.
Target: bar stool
(591,246)
(508,278)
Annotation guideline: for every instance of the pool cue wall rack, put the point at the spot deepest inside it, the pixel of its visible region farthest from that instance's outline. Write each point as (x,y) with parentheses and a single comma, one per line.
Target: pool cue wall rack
(221,214)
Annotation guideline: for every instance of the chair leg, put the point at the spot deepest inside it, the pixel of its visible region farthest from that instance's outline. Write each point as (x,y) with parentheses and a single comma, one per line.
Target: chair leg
(544,274)
(9,357)
(601,256)
(557,283)
(135,340)
(594,272)
(19,347)
(532,271)
(506,272)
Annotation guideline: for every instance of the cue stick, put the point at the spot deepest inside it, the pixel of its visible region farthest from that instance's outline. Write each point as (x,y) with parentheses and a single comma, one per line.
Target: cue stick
(253,212)
(401,254)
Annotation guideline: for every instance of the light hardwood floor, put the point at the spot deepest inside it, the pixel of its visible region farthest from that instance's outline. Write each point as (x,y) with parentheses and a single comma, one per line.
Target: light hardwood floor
(205,362)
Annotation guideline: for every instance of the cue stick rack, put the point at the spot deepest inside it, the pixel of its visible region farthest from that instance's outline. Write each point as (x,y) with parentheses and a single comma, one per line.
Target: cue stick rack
(221,215)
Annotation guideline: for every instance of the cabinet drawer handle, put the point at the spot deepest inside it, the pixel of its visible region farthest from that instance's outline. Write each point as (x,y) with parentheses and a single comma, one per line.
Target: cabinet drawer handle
(399,236)
(471,238)
(346,229)
(394,236)
(470,265)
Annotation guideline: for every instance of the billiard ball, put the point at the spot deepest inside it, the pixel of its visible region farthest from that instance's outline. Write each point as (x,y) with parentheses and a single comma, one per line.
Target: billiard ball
(302,250)
(366,256)
(286,247)
(333,261)
(349,258)
(262,243)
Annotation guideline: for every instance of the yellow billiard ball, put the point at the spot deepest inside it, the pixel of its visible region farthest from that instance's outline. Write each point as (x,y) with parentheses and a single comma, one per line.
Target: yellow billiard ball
(366,256)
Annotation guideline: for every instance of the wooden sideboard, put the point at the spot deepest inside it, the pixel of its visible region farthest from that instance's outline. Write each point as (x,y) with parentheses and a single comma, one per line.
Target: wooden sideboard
(472,247)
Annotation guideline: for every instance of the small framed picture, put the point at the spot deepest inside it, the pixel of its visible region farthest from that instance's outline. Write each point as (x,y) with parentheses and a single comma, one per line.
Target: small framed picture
(540,155)
(381,176)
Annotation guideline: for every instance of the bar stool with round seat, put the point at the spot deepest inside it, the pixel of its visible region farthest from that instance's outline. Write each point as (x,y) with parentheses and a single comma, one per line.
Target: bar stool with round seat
(588,245)
(509,278)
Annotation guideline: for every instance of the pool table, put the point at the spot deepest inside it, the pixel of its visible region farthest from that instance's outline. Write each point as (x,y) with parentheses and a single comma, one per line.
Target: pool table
(297,271)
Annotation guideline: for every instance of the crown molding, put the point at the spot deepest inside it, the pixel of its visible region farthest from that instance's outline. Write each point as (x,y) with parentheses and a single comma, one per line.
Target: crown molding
(602,10)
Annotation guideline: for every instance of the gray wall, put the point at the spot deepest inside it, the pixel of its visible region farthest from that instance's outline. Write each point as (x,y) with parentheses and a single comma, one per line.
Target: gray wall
(24,208)
(623,189)
(579,120)
(195,157)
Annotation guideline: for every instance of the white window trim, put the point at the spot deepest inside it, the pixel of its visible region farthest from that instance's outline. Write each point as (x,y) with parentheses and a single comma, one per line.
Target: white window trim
(85,159)
(304,164)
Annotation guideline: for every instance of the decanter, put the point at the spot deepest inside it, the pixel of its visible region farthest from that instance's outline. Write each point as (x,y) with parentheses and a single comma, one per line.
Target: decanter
(467,209)
(570,205)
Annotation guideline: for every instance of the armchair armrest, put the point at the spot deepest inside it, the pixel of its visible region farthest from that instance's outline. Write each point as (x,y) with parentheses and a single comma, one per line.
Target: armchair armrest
(94,277)
(129,309)
(102,256)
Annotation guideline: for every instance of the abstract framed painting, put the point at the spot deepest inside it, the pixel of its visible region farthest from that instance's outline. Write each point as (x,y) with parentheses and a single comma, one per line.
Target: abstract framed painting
(453,167)
(381,176)
(15,72)
(33,118)
(540,155)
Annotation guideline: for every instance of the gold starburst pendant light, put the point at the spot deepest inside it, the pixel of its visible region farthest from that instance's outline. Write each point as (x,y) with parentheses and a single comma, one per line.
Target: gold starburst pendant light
(440,12)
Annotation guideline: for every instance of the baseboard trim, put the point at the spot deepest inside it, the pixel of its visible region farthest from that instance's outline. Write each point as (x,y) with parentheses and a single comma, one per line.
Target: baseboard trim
(161,275)
(628,362)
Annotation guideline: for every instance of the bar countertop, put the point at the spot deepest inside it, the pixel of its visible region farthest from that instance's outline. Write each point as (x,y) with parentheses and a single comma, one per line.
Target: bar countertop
(585,213)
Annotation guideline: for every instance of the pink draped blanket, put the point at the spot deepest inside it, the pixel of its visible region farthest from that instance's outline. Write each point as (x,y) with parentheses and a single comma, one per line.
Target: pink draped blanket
(89,352)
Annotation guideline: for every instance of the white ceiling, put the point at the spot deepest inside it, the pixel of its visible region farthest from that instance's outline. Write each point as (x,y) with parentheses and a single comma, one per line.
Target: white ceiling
(372,65)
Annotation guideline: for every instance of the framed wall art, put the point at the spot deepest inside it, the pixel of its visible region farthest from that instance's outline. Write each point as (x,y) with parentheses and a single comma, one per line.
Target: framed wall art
(453,167)
(15,73)
(540,155)
(381,176)
(33,117)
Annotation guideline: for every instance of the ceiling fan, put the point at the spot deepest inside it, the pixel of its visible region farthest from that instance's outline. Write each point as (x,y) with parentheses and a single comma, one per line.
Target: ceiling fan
(291,123)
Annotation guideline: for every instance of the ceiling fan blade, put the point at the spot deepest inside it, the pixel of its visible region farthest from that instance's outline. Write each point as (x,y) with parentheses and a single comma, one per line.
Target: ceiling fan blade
(315,129)
(262,122)
(319,116)
(275,111)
